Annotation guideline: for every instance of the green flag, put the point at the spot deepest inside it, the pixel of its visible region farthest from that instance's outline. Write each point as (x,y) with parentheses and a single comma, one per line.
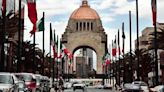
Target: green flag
(40,25)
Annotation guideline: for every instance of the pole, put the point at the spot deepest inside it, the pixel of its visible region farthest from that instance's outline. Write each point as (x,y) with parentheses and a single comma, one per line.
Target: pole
(123,47)
(130,63)
(19,38)
(2,62)
(53,64)
(138,61)
(50,53)
(34,66)
(119,75)
(43,44)
(156,55)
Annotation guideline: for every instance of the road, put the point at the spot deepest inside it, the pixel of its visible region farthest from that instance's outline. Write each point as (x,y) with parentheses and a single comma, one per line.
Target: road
(91,90)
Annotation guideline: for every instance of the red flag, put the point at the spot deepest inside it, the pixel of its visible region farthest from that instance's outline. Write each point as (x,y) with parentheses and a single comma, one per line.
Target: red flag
(114,48)
(54,52)
(3,9)
(154,11)
(123,50)
(32,14)
(70,56)
(107,62)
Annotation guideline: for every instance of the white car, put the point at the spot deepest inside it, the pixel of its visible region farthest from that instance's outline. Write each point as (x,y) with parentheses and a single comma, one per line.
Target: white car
(130,87)
(99,86)
(67,85)
(159,88)
(107,86)
(78,85)
(143,86)
(8,82)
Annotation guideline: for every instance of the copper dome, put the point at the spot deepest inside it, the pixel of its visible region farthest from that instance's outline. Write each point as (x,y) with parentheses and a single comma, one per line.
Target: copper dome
(84,12)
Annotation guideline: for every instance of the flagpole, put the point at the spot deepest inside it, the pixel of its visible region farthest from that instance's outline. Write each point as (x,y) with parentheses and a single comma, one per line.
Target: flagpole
(113,64)
(156,55)
(14,8)
(34,49)
(50,52)
(57,59)
(130,29)
(137,24)
(34,53)
(43,44)
(2,62)
(123,47)
(118,57)
(19,38)
(155,41)
(53,64)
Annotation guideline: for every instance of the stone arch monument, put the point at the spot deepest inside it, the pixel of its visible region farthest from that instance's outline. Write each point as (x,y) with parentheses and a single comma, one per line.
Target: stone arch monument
(85,29)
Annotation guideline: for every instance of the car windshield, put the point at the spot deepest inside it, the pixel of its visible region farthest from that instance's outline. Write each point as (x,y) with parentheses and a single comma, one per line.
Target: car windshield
(24,77)
(6,79)
(140,83)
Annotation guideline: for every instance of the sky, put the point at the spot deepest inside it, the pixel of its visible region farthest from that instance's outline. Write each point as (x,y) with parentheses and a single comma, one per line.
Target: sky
(111,12)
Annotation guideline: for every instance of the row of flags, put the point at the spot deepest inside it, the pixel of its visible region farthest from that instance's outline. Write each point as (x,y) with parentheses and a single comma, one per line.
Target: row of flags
(63,51)
(115,50)
(32,14)
(115,44)
(39,26)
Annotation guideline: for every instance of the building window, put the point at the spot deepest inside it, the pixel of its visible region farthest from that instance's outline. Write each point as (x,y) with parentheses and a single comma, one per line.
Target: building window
(91,26)
(80,26)
(87,25)
(76,25)
(84,26)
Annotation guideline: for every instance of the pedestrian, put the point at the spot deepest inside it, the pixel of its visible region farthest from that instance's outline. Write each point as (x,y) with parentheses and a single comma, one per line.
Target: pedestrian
(61,83)
(53,88)
(115,86)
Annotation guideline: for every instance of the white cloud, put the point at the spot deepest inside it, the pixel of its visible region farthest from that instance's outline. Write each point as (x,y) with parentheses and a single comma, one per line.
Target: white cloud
(160,14)
(105,4)
(107,9)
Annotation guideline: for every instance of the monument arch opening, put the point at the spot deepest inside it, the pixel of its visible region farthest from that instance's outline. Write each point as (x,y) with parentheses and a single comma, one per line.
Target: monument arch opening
(84,62)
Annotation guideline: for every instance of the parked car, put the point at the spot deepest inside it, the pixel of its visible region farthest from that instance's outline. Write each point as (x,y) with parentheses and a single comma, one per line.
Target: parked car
(78,85)
(107,86)
(45,84)
(99,86)
(67,85)
(129,87)
(22,87)
(143,86)
(39,82)
(29,79)
(159,88)
(139,86)
(8,82)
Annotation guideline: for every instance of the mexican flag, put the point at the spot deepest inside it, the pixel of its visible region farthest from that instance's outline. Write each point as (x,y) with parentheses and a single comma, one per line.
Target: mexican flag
(40,25)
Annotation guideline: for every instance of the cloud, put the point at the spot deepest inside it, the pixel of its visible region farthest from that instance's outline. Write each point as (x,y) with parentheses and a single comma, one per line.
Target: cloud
(109,11)
(160,14)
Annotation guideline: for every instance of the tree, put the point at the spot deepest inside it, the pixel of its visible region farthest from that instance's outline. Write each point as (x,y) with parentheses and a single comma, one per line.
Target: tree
(144,63)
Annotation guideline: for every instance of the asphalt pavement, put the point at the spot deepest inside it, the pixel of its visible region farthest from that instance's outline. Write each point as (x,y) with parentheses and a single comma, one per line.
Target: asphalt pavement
(91,90)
